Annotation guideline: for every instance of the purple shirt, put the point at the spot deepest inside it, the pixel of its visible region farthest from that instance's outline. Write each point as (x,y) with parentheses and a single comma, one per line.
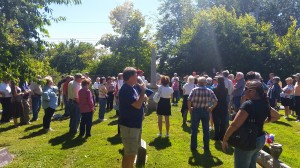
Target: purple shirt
(85,100)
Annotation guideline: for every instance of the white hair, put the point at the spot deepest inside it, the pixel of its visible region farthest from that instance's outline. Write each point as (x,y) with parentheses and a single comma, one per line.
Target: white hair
(209,80)
(240,74)
(191,79)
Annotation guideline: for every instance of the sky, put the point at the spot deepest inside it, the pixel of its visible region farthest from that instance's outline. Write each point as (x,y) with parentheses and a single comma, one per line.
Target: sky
(89,21)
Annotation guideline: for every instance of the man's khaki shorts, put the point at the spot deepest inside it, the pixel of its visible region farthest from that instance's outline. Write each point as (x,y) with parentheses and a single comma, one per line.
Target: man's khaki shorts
(131,139)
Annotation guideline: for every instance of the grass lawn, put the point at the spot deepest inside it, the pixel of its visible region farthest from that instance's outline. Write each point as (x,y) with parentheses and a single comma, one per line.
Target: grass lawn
(34,148)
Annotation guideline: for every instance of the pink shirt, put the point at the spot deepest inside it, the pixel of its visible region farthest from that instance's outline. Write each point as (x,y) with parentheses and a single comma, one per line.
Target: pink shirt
(85,100)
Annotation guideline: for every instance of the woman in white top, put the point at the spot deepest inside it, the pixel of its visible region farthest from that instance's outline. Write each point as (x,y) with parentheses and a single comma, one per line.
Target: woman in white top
(164,104)
(286,96)
(187,88)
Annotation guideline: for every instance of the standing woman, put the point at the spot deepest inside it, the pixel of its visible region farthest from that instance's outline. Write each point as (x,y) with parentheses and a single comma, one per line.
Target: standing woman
(258,108)
(5,94)
(175,86)
(220,112)
(102,98)
(187,88)
(86,105)
(49,102)
(287,95)
(17,106)
(110,85)
(164,104)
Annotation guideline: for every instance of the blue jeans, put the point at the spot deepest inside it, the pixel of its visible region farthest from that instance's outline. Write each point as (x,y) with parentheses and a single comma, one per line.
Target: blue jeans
(102,103)
(36,106)
(175,98)
(247,159)
(236,103)
(67,106)
(200,114)
(74,116)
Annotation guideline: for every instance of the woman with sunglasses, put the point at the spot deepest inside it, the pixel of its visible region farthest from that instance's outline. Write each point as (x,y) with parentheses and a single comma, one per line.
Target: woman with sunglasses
(258,106)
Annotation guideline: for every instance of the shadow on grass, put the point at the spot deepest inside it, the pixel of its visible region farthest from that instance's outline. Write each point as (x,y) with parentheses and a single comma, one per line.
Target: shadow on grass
(61,139)
(113,117)
(96,122)
(218,146)
(71,143)
(291,119)
(186,128)
(114,122)
(35,134)
(115,140)
(160,143)
(283,123)
(33,127)
(7,128)
(67,140)
(204,160)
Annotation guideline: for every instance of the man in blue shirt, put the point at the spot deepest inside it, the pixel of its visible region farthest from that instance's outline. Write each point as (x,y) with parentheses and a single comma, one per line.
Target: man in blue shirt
(131,115)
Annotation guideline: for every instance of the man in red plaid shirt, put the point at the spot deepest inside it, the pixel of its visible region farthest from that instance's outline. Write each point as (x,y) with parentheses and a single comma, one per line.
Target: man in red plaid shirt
(199,107)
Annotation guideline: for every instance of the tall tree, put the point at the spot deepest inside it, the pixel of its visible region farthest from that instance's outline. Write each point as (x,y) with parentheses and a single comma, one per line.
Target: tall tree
(22,26)
(276,12)
(176,15)
(129,46)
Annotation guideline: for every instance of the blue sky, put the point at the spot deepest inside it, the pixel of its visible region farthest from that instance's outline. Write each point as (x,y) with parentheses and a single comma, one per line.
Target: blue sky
(89,21)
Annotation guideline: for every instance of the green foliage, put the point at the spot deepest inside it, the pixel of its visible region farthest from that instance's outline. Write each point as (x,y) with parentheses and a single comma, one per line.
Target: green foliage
(176,15)
(21,28)
(128,47)
(276,12)
(72,56)
(221,40)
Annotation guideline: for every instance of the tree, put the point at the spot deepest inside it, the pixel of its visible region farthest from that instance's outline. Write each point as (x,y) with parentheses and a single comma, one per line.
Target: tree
(219,39)
(129,46)
(21,28)
(276,12)
(72,56)
(176,15)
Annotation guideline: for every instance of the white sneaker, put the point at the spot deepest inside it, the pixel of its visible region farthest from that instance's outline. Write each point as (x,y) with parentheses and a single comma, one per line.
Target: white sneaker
(167,135)
(159,135)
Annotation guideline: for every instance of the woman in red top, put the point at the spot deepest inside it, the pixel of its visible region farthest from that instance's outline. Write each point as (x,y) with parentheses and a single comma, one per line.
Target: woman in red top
(87,108)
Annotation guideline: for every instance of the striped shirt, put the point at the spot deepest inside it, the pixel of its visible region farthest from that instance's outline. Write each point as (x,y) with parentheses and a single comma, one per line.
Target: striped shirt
(201,97)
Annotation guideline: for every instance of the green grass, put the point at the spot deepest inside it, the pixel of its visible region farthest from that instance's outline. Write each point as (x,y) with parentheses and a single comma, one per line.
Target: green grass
(34,148)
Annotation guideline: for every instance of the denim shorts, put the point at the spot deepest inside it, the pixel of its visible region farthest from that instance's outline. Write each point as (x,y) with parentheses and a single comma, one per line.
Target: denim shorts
(131,139)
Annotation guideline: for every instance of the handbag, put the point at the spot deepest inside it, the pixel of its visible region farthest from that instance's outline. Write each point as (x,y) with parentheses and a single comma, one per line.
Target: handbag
(156,96)
(245,137)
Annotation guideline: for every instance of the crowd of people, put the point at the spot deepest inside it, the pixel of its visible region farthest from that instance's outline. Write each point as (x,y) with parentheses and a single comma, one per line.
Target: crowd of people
(214,101)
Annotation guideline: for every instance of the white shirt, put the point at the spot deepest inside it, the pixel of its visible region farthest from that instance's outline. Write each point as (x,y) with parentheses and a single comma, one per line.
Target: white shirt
(188,87)
(96,85)
(73,89)
(228,85)
(165,92)
(5,88)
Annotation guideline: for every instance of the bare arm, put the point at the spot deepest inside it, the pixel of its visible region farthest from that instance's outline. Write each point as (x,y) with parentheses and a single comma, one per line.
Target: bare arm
(138,104)
(236,124)
(274,115)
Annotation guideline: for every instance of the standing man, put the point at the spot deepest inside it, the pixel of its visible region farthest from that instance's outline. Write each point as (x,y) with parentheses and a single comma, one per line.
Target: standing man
(238,91)
(73,89)
(63,80)
(36,97)
(201,97)
(131,116)
(65,95)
